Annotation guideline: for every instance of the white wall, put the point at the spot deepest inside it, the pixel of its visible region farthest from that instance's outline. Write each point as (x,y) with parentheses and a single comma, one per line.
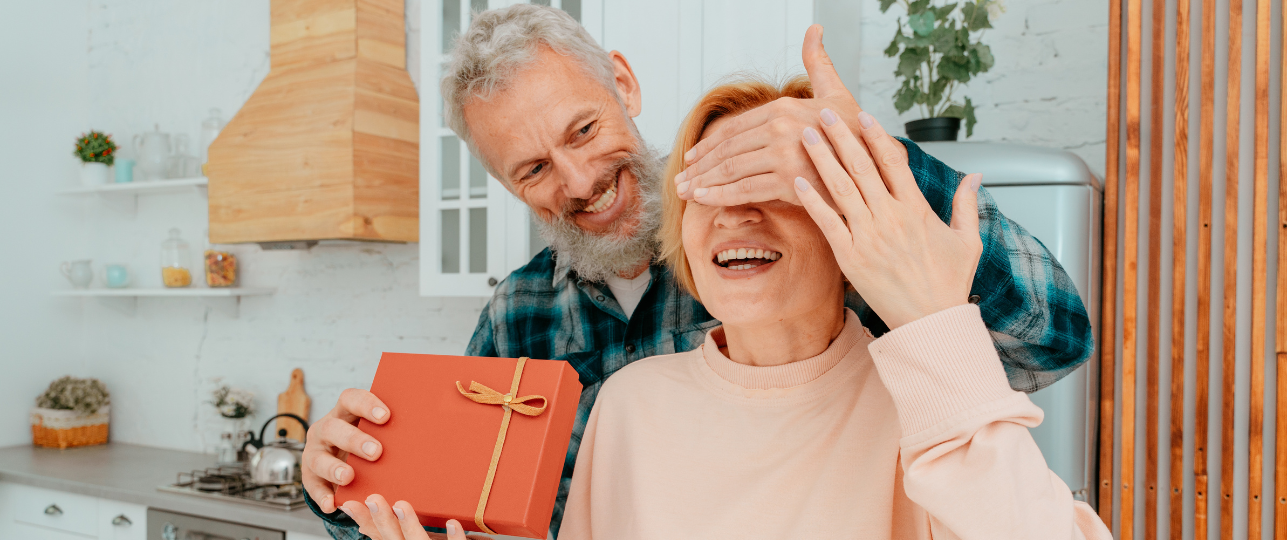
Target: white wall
(337,306)
(1047,87)
(39,120)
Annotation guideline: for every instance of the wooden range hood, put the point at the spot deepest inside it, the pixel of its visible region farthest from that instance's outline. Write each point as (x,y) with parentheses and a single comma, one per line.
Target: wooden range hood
(328,145)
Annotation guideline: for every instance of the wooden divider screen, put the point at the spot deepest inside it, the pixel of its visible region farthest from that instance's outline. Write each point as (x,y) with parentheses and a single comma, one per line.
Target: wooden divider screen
(1173,440)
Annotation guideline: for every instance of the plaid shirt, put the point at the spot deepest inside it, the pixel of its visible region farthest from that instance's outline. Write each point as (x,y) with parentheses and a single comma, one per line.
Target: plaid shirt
(542,310)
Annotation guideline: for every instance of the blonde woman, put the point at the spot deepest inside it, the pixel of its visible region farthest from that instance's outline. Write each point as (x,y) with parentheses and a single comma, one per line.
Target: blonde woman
(792,421)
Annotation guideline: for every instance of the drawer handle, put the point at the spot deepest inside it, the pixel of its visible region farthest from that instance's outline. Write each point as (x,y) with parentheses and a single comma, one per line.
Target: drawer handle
(121,520)
(53,510)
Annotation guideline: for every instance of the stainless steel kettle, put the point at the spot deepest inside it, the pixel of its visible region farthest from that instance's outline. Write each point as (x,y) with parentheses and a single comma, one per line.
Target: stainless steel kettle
(276,462)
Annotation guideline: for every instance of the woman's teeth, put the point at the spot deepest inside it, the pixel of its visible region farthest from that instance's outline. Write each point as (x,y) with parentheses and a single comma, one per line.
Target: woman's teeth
(753,258)
(604,201)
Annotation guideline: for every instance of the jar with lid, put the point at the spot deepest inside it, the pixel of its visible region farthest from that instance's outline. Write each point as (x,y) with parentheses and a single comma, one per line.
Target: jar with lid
(174,261)
(221,268)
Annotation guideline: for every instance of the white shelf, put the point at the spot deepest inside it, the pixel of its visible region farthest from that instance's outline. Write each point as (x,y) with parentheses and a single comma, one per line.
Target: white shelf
(180,292)
(175,185)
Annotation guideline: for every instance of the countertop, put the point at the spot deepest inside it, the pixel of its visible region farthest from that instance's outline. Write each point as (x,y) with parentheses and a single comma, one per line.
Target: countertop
(129,473)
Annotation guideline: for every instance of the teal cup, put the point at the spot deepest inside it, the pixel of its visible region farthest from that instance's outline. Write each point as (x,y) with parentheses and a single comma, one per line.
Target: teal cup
(124,171)
(116,276)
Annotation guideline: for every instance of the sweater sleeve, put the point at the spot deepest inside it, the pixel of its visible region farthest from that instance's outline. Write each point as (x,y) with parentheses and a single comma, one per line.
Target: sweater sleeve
(967,456)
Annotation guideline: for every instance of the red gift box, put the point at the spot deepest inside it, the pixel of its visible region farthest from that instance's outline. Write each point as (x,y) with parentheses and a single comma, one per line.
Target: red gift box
(447,424)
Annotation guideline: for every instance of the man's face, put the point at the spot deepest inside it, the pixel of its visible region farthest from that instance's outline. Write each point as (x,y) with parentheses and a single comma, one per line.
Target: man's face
(562,143)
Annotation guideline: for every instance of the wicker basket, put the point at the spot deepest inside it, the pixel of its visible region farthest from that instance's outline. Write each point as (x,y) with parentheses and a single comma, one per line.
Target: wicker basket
(56,428)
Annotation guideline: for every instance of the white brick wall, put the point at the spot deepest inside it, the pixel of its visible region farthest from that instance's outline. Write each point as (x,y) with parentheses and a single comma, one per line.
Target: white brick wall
(1047,87)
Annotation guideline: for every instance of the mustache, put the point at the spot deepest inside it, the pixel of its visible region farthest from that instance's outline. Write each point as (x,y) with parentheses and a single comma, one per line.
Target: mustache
(605,181)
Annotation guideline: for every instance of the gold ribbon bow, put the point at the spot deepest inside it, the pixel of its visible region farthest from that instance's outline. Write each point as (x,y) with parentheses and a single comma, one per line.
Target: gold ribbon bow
(480,393)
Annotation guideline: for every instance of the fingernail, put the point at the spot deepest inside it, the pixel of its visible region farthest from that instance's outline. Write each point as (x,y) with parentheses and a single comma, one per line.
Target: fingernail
(811,136)
(328,501)
(801,184)
(378,413)
(700,192)
(690,154)
(370,448)
(682,188)
(829,117)
(373,508)
(976,181)
(452,527)
(679,178)
(866,120)
(341,473)
(398,512)
(346,511)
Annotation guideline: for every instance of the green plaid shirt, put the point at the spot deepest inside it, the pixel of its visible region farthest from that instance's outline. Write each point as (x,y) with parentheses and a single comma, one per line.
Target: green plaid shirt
(542,310)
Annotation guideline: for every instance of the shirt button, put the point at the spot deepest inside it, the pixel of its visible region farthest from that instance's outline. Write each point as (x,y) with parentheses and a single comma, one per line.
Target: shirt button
(599,298)
(630,347)
(974,298)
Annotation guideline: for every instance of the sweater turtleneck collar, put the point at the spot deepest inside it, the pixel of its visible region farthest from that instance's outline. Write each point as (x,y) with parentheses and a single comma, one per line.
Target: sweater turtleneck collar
(785,375)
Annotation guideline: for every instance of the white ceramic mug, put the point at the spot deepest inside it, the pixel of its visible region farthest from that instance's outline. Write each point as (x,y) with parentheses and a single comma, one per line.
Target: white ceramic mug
(78,273)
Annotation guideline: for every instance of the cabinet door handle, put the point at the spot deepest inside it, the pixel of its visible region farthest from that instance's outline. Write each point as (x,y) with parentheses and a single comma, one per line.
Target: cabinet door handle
(122,520)
(53,510)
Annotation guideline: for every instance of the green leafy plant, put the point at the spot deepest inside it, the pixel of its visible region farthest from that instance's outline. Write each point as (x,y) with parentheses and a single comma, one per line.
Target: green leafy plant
(940,48)
(95,147)
(85,396)
(233,403)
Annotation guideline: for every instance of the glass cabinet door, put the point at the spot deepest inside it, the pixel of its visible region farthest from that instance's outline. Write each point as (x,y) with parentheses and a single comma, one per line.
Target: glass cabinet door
(472,231)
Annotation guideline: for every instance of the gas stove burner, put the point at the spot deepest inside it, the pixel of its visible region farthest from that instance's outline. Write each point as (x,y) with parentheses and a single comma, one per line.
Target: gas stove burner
(233,483)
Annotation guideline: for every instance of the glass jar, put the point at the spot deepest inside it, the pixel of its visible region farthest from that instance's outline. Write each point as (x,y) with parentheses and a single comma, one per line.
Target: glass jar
(174,261)
(221,268)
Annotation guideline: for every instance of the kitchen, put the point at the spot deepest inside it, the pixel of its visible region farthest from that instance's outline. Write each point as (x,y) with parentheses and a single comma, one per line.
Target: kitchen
(329,304)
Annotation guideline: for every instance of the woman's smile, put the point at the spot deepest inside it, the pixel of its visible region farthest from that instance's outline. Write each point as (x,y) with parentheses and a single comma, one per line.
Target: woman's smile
(739,259)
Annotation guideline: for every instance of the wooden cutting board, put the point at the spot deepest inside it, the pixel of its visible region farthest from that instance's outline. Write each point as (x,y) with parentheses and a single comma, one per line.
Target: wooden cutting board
(296,402)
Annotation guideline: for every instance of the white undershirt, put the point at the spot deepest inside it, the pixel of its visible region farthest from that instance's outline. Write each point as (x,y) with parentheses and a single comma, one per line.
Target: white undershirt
(629,291)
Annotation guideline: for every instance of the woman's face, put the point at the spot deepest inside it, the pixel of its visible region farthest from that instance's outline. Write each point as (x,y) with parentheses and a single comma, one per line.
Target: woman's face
(759,263)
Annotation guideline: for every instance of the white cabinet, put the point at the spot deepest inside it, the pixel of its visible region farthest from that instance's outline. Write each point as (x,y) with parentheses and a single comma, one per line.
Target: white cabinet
(36,513)
(121,521)
(472,231)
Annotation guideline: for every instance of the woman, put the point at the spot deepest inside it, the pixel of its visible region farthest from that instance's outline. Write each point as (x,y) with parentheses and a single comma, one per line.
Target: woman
(792,421)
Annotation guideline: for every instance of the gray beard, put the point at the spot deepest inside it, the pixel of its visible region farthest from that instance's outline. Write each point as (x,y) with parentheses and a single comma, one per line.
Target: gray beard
(596,257)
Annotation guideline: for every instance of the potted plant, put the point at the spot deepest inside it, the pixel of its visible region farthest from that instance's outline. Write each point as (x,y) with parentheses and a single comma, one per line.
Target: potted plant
(939,49)
(97,152)
(72,412)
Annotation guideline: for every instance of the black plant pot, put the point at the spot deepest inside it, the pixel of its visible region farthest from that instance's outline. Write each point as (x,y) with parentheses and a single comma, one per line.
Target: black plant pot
(933,129)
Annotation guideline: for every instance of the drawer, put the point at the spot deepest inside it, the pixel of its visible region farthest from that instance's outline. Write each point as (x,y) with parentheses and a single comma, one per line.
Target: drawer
(121,521)
(55,509)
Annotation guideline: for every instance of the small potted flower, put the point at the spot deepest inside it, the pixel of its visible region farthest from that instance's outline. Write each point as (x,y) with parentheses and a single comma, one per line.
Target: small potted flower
(72,412)
(234,404)
(97,152)
(939,50)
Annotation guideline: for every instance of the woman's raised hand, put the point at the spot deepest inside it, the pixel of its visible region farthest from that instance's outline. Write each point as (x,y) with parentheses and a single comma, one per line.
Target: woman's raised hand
(380,521)
(904,261)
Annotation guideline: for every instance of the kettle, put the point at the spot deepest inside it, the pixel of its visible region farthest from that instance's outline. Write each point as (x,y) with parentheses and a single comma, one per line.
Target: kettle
(278,462)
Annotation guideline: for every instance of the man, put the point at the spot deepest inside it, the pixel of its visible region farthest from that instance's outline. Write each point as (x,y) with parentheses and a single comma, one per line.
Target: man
(549,113)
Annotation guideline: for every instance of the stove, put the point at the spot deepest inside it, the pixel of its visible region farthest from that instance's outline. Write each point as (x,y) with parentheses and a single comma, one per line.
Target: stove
(232,483)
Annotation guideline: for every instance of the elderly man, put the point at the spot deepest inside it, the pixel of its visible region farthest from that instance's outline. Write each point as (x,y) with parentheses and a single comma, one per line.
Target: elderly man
(549,113)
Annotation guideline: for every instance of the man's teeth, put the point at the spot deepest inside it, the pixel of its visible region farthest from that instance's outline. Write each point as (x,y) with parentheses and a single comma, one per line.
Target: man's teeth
(745,253)
(604,201)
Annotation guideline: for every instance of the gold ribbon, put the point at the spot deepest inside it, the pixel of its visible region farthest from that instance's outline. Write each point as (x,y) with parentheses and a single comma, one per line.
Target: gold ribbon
(479,393)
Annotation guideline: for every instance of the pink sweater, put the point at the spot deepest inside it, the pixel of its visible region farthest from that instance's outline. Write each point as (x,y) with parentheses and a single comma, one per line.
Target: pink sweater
(913,435)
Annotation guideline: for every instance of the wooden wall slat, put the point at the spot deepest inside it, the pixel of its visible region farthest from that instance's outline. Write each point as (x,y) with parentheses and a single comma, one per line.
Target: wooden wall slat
(1260,168)
(1229,349)
(1130,273)
(1280,322)
(1180,205)
(1202,355)
(1108,304)
(1153,339)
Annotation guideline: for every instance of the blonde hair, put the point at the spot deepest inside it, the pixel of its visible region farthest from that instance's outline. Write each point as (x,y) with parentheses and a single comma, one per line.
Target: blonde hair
(730,99)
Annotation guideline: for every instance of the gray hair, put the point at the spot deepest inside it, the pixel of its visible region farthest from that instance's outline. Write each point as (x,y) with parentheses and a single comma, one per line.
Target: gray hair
(500,42)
